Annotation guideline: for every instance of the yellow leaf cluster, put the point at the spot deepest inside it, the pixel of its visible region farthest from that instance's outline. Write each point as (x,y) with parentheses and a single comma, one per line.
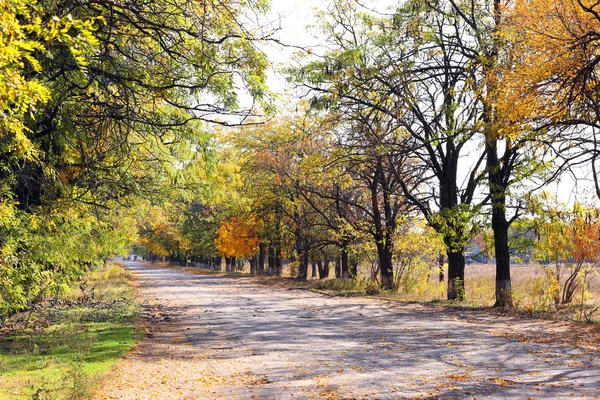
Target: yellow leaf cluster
(238,237)
(21,35)
(554,52)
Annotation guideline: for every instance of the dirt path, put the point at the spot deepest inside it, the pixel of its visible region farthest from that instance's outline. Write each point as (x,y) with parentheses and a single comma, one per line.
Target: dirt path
(222,338)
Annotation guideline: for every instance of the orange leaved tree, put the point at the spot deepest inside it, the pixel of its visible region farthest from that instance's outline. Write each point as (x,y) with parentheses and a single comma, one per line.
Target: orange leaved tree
(237,237)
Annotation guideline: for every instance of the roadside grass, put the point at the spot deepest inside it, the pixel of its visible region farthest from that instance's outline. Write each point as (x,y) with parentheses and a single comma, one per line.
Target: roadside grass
(62,349)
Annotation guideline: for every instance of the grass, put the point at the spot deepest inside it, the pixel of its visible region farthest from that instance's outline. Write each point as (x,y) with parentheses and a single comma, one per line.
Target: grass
(62,351)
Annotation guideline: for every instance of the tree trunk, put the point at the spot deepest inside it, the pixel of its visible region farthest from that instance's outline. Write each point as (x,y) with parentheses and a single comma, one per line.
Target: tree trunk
(253,262)
(233,266)
(383,230)
(338,267)
(271,270)
(385,266)
(497,188)
(353,267)
(278,262)
(314,269)
(303,259)
(262,255)
(441,267)
(322,266)
(456,275)
(345,269)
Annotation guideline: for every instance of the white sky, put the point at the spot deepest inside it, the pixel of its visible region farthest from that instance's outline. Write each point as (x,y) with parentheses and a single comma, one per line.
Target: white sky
(292,18)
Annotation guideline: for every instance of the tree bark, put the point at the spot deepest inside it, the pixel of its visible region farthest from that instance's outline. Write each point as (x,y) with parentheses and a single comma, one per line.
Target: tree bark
(385,266)
(271,270)
(456,275)
(497,179)
(383,230)
(345,269)
(323,268)
(262,254)
(441,267)
(314,273)
(353,267)
(253,262)
(303,259)
(278,261)
(338,267)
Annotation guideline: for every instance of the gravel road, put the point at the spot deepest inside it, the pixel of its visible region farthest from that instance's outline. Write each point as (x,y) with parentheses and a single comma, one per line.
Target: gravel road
(212,337)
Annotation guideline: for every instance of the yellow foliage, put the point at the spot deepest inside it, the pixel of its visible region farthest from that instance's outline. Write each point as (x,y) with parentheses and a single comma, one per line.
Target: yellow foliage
(238,237)
(553,56)
(21,35)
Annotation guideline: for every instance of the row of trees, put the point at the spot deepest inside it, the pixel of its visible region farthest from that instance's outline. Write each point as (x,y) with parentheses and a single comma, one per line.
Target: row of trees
(102,104)
(443,111)
(421,125)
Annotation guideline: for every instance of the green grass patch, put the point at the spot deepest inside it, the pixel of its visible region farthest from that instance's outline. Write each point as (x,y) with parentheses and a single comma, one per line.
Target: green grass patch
(62,351)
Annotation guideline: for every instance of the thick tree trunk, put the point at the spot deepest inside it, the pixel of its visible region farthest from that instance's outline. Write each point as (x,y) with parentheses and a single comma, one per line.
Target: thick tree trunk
(385,266)
(314,273)
(497,187)
(253,262)
(303,260)
(353,267)
(262,255)
(278,262)
(233,267)
(338,267)
(383,230)
(323,267)
(271,270)
(456,275)
(345,268)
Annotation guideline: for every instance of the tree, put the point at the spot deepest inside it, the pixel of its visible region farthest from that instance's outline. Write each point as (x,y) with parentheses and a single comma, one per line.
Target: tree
(415,67)
(84,127)
(238,237)
(22,39)
(570,241)
(554,77)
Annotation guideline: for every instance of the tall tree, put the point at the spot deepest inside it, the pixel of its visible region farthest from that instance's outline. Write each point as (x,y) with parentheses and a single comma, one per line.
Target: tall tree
(417,68)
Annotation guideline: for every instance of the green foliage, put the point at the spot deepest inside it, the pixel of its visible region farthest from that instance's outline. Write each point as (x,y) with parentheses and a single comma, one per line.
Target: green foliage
(457,225)
(43,253)
(101,104)
(23,37)
(415,262)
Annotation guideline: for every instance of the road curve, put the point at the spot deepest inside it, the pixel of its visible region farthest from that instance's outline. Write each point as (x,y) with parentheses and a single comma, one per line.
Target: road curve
(231,338)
